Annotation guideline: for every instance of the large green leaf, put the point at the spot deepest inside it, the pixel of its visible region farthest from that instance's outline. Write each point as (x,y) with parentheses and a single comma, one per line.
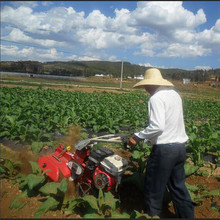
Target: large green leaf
(50,204)
(46,136)
(100,198)
(36,146)
(16,204)
(49,188)
(71,204)
(92,201)
(11,119)
(34,180)
(35,167)
(190,169)
(9,165)
(62,188)
(110,200)
(3,170)
(5,133)
(23,184)
(137,154)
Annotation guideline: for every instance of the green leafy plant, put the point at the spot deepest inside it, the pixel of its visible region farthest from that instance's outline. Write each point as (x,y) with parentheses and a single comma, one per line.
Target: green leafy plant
(198,193)
(37,146)
(138,168)
(190,169)
(29,184)
(34,184)
(55,193)
(8,168)
(105,206)
(31,115)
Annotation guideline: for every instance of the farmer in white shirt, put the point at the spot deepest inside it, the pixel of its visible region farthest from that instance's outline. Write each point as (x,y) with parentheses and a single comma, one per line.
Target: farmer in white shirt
(166,132)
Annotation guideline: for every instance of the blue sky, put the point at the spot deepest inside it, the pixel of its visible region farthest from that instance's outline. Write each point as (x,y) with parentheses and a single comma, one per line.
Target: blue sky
(172,34)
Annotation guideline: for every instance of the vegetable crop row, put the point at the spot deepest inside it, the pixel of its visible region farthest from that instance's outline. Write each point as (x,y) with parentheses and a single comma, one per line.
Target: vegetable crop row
(34,114)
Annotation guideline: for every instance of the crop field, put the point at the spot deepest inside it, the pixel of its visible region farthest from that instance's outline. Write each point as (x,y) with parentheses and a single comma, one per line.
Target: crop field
(35,119)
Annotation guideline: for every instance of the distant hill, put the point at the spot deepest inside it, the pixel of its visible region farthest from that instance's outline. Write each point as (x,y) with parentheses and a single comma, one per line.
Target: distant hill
(90,68)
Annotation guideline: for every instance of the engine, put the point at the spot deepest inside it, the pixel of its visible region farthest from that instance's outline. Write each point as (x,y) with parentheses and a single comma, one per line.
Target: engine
(108,168)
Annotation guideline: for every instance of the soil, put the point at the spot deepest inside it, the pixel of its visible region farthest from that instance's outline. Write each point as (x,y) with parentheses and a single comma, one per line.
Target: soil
(76,88)
(130,197)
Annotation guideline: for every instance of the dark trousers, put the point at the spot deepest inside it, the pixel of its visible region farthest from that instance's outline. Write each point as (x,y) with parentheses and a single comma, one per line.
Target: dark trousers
(165,168)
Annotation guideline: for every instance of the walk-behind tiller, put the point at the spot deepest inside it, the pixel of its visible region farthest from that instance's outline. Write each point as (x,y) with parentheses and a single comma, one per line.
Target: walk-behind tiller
(87,167)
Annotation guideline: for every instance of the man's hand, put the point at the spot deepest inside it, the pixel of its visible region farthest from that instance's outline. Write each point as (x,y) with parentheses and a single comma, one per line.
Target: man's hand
(134,140)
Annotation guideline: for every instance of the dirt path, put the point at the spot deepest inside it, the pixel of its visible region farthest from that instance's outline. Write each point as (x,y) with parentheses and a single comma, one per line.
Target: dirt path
(88,89)
(192,91)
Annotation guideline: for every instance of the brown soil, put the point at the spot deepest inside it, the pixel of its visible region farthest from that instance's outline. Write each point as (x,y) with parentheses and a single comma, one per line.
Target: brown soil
(77,88)
(188,88)
(210,183)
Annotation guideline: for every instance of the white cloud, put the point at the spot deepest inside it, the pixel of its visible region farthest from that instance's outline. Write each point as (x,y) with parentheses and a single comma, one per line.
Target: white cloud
(22,17)
(50,54)
(17,35)
(72,57)
(53,21)
(31,53)
(88,58)
(181,50)
(184,36)
(166,15)
(145,64)
(15,52)
(150,65)
(153,29)
(82,58)
(173,27)
(112,58)
(216,28)
(210,38)
(121,24)
(203,68)
(96,19)
(8,50)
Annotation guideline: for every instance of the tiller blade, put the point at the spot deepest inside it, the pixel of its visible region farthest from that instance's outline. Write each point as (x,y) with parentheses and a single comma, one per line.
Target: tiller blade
(55,163)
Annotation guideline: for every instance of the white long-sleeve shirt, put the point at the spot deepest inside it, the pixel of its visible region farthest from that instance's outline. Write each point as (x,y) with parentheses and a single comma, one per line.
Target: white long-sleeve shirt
(166,123)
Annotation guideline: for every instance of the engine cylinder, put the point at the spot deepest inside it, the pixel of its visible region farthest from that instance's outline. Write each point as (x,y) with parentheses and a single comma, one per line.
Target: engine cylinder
(103,180)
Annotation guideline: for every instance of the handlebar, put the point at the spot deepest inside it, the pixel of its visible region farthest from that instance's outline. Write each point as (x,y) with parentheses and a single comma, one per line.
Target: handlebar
(111,138)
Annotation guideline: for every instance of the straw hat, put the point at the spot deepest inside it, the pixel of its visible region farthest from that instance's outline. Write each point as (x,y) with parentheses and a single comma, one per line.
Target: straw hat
(153,77)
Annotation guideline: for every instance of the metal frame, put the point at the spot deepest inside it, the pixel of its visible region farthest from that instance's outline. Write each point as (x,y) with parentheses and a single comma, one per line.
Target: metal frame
(111,138)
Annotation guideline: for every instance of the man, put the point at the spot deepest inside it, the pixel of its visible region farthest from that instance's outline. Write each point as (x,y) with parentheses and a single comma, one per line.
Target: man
(166,132)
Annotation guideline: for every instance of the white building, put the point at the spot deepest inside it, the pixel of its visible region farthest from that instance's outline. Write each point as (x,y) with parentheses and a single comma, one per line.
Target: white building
(186,81)
(139,77)
(99,75)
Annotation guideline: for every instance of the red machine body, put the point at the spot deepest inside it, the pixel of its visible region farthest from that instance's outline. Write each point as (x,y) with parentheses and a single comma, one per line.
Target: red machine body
(56,163)
(100,168)
(98,177)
